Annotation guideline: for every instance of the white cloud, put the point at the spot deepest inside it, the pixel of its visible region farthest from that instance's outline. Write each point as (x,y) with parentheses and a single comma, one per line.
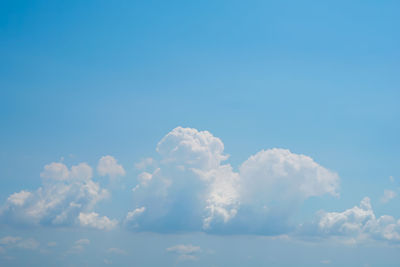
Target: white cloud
(192,190)
(185,252)
(93,219)
(358,224)
(18,199)
(189,148)
(108,166)
(388,195)
(134,214)
(391,178)
(55,170)
(64,194)
(326,262)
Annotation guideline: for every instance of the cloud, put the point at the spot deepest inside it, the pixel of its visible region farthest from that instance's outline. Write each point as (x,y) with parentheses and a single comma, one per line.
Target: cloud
(388,195)
(79,245)
(144,163)
(193,190)
(7,240)
(185,252)
(108,166)
(64,194)
(132,215)
(356,224)
(18,242)
(93,220)
(30,244)
(117,251)
(55,170)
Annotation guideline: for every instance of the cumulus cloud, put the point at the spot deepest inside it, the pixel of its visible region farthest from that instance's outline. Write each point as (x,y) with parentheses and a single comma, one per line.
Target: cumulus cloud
(193,190)
(93,220)
(108,165)
(356,224)
(388,195)
(64,194)
(185,252)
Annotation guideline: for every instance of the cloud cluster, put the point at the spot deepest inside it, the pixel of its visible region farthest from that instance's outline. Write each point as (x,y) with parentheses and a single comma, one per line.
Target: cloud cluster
(66,197)
(356,224)
(193,190)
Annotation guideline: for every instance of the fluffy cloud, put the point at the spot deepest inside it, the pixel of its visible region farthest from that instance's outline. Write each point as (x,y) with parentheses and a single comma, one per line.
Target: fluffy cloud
(65,193)
(357,224)
(93,220)
(193,190)
(108,166)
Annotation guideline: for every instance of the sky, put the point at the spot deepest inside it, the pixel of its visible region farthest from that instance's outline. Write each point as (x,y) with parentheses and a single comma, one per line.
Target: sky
(199,133)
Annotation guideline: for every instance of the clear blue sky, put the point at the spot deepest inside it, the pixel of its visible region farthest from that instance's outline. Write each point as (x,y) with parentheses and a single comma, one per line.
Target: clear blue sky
(83,80)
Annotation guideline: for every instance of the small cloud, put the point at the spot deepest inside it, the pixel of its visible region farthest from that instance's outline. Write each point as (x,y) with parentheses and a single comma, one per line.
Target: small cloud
(391,178)
(8,240)
(117,251)
(144,163)
(107,261)
(82,242)
(132,215)
(108,166)
(93,219)
(79,245)
(185,252)
(325,262)
(51,244)
(388,195)
(30,244)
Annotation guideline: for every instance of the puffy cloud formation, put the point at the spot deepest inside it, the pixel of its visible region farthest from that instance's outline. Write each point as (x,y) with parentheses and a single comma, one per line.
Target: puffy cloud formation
(357,223)
(64,195)
(192,190)
(93,219)
(108,166)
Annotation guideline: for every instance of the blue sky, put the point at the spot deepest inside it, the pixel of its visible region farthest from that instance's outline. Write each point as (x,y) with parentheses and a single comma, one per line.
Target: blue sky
(199,133)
